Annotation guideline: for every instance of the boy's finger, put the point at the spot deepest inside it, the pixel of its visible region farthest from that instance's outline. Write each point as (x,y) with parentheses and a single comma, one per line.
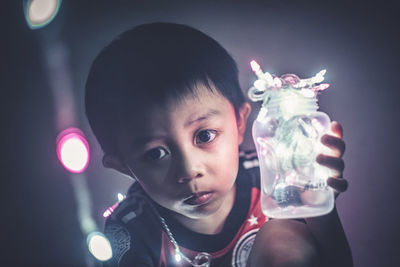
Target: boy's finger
(337,129)
(338,184)
(335,143)
(336,164)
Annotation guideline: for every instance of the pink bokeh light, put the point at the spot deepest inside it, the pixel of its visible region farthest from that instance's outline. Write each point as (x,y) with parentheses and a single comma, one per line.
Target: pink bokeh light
(73,150)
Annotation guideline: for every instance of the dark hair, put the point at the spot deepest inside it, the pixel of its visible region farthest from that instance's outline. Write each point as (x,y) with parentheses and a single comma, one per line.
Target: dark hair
(151,63)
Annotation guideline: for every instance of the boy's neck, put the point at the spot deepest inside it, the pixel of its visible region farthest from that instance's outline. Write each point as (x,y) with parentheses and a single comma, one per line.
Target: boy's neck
(214,223)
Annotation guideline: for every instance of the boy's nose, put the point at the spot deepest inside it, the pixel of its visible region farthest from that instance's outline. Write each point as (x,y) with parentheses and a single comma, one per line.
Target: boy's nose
(188,178)
(189,168)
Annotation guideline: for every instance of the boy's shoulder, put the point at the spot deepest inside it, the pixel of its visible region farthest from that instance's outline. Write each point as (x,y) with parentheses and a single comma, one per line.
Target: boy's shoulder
(132,225)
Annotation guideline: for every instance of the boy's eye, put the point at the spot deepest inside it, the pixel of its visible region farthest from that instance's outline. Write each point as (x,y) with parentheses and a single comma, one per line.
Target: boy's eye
(205,136)
(156,153)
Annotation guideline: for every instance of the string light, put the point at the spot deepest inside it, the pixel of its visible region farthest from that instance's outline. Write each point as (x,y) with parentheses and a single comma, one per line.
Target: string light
(255,66)
(120,197)
(178,256)
(111,209)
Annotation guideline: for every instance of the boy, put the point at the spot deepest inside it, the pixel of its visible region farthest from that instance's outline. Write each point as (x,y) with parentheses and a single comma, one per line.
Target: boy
(165,105)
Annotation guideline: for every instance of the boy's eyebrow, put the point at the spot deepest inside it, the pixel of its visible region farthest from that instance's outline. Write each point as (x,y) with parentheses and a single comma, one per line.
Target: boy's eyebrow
(202,117)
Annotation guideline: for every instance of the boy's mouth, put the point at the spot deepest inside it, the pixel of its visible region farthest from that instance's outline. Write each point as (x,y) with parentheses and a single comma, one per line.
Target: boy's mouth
(198,198)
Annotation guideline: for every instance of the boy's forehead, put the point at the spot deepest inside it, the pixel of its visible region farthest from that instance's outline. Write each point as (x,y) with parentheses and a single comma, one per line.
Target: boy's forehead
(151,114)
(199,94)
(149,102)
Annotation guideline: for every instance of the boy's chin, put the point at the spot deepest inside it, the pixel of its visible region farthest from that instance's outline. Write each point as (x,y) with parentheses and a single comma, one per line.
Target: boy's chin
(199,212)
(198,215)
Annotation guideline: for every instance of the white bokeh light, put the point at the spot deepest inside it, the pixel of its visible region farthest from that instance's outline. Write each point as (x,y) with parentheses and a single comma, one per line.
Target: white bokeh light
(39,13)
(99,246)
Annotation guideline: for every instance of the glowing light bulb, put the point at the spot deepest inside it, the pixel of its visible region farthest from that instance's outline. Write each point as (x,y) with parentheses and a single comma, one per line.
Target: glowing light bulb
(269,78)
(291,105)
(260,85)
(307,93)
(73,150)
(321,87)
(321,74)
(111,209)
(178,257)
(120,197)
(255,66)
(99,246)
(317,79)
(107,213)
(257,69)
(277,82)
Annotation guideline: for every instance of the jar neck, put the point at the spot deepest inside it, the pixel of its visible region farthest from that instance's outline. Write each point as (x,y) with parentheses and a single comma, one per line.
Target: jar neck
(287,104)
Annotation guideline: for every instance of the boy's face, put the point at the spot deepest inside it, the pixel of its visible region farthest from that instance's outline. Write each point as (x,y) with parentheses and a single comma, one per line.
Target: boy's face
(186,156)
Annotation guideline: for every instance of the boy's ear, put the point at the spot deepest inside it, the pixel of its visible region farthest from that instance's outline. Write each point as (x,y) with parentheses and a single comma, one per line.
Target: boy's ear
(113,162)
(244,113)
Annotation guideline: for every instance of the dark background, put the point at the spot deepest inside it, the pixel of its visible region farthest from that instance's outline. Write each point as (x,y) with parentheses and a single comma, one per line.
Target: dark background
(355,41)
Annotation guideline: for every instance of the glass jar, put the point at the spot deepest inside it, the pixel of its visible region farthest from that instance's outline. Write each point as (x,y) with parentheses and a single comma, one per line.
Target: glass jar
(287,133)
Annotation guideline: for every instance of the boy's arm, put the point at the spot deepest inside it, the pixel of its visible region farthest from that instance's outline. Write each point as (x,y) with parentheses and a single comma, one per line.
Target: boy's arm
(328,229)
(329,233)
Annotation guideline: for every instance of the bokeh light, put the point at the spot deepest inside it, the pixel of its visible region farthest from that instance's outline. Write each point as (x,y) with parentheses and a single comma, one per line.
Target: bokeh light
(39,13)
(73,150)
(99,246)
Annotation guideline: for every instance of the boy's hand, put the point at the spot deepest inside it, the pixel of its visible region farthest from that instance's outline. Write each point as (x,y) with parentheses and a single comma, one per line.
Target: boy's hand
(334,161)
